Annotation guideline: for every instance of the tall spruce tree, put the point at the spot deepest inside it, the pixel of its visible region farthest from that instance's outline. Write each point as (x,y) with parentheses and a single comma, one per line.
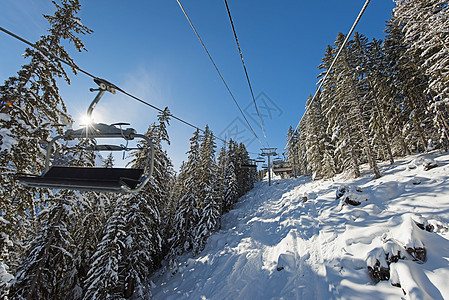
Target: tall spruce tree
(49,270)
(140,249)
(222,162)
(35,104)
(315,129)
(105,276)
(425,24)
(362,107)
(231,179)
(109,161)
(341,112)
(209,202)
(375,72)
(331,157)
(144,225)
(187,214)
(406,105)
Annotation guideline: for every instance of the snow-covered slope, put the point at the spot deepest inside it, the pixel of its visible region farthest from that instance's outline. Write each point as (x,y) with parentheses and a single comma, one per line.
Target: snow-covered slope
(273,245)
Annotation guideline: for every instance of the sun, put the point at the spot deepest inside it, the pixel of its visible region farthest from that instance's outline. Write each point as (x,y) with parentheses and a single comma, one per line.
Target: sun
(86,120)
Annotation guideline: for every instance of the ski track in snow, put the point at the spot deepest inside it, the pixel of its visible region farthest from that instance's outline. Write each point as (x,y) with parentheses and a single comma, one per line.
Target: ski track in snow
(275,246)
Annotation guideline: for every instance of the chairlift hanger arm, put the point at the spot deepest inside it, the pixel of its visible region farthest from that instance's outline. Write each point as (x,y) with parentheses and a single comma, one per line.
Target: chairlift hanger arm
(103,87)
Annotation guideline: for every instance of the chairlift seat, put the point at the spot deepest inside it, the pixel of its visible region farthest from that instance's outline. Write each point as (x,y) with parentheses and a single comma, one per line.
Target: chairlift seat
(282,170)
(84,178)
(106,148)
(247,166)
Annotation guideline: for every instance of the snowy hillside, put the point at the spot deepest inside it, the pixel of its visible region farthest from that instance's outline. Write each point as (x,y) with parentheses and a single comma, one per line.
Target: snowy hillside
(273,245)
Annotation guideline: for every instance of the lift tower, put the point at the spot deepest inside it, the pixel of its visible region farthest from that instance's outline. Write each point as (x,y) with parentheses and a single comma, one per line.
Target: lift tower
(268,152)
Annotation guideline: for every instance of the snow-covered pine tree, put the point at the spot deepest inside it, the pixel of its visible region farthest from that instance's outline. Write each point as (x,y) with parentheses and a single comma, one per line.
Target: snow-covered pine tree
(231,180)
(406,84)
(176,192)
(375,77)
(109,161)
(24,125)
(222,162)
(105,276)
(343,111)
(332,158)
(49,270)
(207,167)
(292,150)
(301,148)
(231,192)
(144,227)
(94,210)
(425,24)
(356,61)
(187,212)
(245,178)
(315,131)
(239,171)
(209,201)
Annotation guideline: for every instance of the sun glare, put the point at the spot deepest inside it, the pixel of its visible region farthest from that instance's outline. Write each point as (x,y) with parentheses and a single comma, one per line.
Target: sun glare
(86,120)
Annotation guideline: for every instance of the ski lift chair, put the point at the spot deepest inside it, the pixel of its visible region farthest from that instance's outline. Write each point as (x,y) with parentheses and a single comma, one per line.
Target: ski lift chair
(278,162)
(250,164)
(120,180)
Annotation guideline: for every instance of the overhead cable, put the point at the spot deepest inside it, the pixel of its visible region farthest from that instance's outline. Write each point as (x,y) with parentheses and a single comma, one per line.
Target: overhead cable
(246,72)
(218,70)
(329,69)
(45,52)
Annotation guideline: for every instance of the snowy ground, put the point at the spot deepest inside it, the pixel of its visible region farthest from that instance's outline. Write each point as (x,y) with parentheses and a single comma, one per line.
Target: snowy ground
(275,246)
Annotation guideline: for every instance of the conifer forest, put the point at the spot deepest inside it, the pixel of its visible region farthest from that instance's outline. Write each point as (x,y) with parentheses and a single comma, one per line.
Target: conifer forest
(383,99)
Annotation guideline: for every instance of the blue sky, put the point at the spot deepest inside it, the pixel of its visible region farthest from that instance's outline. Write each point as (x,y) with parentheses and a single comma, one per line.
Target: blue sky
(148,49)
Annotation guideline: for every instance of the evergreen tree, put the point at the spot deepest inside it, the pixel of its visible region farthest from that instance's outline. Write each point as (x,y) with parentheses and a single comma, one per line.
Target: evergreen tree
(144,225)
(48,269)
(331,156)
(105,276)
(231,180)
(24,125)
(292,150)
(187,214)
(222,162)
(425,26)
(139,215)
(209,202)
(301,149)
(359,90)
(315,130)
(405,99)
(207,166)
(109,161)
(94,211)
(339,97)
(245,179)
(375,79)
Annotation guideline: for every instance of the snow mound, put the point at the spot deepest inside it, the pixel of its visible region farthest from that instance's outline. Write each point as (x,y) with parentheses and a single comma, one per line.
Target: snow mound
(425,161)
